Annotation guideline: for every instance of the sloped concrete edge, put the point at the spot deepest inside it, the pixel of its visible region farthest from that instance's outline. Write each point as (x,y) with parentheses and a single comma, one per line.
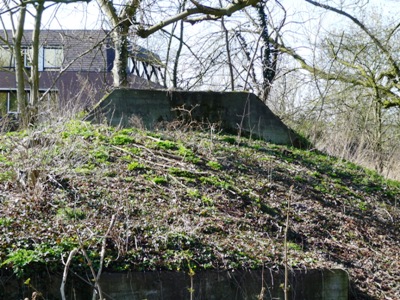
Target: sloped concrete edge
(234,112)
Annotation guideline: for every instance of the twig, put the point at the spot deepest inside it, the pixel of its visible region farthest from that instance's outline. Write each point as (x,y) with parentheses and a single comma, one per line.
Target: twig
(65,274)
(103,247)
(286,287)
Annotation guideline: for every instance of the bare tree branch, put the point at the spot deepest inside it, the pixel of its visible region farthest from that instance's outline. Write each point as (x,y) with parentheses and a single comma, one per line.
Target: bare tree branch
(198,9)
(392,98)
(377,42)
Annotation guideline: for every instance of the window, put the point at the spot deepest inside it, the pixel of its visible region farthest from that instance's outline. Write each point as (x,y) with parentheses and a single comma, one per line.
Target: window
(8,103)
(52,57)
(6,56)
(3,104)
(27,53)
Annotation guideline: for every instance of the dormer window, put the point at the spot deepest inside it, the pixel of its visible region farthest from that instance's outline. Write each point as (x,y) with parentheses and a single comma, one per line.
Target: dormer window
(6,58)
(50,57)
(53,57)
(27,53)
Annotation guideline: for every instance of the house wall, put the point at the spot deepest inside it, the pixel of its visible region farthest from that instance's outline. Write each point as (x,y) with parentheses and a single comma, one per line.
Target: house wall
(85,73)
(83,50)
(232,111)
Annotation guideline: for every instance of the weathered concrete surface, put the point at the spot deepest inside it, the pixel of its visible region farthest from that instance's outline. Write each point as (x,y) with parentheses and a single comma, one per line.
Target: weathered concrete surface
(207,285)
(235,112)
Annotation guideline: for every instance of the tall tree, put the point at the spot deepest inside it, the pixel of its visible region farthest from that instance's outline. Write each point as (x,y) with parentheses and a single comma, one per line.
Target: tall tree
(357,65)
(123,17)
(34,62)
(387,78)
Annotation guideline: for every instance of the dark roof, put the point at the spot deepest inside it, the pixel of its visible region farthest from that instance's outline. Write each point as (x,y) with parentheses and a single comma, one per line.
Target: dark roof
(78,41)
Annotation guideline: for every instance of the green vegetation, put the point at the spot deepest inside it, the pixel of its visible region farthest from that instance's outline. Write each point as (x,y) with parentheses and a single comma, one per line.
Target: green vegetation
(183,207)
(71,214)
(214,165)
(166,145)
(121,139)
(6,176)
(135,165)
(159,180)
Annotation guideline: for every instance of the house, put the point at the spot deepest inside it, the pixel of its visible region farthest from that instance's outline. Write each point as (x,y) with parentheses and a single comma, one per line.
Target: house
(75,67)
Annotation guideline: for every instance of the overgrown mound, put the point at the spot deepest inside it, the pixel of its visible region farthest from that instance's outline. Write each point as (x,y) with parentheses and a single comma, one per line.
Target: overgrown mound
(192,200)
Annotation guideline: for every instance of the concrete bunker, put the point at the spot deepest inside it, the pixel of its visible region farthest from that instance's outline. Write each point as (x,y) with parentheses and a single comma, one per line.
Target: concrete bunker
(234,112)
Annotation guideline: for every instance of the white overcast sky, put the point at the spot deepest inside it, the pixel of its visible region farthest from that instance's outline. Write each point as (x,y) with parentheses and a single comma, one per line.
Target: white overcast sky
(82,15)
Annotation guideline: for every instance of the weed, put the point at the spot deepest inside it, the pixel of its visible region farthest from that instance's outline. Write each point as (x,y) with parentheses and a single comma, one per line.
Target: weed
(126,158)
(207,201)
(187,154)
(122,139)
(300,178)
(294,246)
(135,165)
(135,150)
(4,161)
(215,181)
(194,193)
(229,139)
(363,206)
(5,222)
(181,173)
(214,165)
(71,214)
(166,145)
(19,259)
(126,131)
(85,169)
(7,176)
(159,180)
(180,241)
(110,173)
(78,128)
(100,155)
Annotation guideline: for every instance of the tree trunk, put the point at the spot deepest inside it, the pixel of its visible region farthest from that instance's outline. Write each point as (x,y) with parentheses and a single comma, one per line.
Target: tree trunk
(228,53)
(34,76)
(121,43)
(19,67)
(268,60)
